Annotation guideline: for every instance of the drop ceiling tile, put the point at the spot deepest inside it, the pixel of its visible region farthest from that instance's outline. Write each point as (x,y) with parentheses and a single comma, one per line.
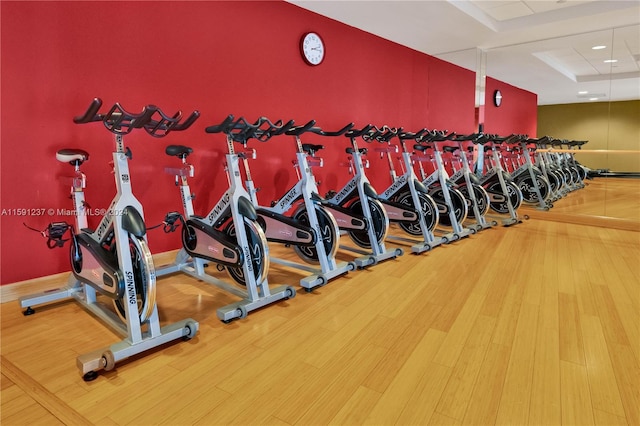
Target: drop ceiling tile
(490,4)
(539,6)
(509,11)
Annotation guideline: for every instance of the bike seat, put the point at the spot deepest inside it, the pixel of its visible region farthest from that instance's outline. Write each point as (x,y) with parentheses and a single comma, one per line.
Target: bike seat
(310,148)
(362,151)
(179,151)
(450,149)
(421,148)
(73,156)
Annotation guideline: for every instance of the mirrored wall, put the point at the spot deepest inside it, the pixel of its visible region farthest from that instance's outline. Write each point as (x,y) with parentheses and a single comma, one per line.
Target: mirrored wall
(596,98)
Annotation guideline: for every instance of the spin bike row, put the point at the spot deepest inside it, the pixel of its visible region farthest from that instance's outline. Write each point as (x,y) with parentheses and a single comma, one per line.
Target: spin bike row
(114,261)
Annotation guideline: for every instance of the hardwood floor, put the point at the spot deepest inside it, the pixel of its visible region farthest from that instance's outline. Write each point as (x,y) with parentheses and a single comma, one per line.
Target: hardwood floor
(534,324)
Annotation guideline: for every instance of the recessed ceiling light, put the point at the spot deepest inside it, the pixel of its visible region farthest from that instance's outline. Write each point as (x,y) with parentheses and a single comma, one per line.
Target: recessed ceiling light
(583,92)
(593,99)
(610,61)
(599,47)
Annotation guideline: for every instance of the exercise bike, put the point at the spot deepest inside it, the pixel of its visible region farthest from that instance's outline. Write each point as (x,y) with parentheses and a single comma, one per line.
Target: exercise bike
(504,195)
(451,203)
(550,172)
(468,183)
(114,261)
(407,190)
(311,229)
(230,235)
(369,222)
(534,186)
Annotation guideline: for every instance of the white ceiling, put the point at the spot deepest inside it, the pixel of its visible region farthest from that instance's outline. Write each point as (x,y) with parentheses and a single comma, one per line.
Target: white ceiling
(544,46)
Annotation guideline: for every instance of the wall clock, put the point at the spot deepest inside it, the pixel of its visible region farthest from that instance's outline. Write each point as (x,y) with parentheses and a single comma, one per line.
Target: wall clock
(497,98)
(312,48)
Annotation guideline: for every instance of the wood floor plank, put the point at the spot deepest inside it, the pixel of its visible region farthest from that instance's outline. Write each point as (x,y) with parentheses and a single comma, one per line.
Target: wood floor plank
(577,408)
(487,392)
(602,383)
(397,355)
(607,419)
(357,408)
(457,393)
(395,398)
(627,375)
(516,394)
(421,406)
(571,342)
(60,410)
(545,408)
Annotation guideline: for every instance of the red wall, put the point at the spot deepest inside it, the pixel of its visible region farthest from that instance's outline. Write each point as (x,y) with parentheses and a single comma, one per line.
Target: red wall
(218,57)
(518,112)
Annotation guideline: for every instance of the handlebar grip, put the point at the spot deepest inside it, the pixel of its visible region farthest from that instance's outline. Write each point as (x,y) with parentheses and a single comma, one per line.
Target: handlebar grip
(278,128)
(91,114)
(390,132)
(470,137)
(412,135)
(342,131)
(119,121)
(354,133)
(222,127)
(298,130)
(188,122)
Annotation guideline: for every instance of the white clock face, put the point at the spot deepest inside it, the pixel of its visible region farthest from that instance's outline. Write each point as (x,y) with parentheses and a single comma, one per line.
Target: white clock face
(312,48)
(497,98)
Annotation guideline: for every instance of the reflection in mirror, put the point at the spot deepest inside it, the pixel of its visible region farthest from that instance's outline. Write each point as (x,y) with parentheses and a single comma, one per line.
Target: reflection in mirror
(588,88)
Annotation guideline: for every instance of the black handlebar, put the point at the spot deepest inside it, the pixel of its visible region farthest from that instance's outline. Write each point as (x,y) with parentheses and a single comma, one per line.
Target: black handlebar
(436,136)
(241,130)
(412,135)
(354,133)
(382,135)
(91,114)
(119,121)
(342,131)
(298,130)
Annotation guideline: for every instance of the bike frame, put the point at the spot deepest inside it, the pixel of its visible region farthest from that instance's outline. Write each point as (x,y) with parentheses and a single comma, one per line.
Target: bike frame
(409,181)
(138,337)
(257,293)
(440,177)
(360,187)
(306,190)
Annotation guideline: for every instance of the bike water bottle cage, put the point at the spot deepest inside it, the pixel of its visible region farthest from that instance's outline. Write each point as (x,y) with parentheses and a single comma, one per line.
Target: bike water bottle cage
(179,151)
(75,157)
